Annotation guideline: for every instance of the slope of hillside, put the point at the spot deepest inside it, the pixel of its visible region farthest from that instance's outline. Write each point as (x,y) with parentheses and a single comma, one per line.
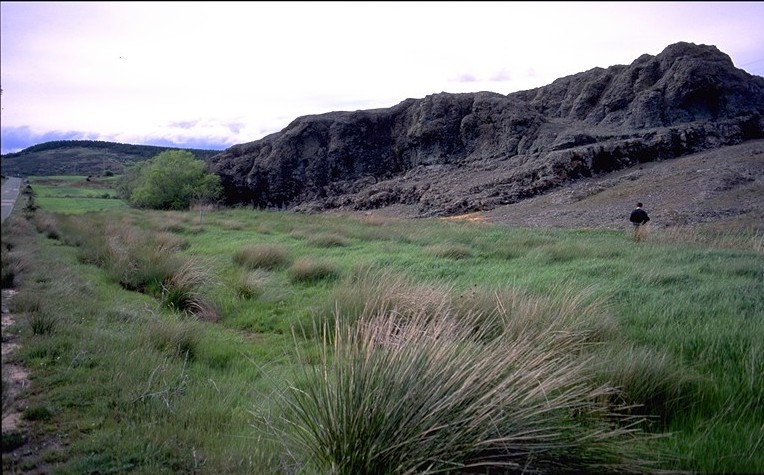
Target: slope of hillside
(721,188)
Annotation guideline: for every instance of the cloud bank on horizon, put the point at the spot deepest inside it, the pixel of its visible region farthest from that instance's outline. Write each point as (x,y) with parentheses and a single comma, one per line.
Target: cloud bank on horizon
(213,74)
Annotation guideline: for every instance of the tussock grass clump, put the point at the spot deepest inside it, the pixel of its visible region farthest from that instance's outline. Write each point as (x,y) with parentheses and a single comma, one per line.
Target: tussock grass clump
(520,314)
(14,255)
(261,256)
(26,302)
(149,262)
(196,229)
(41,321)
(182,290)
(449,251)
(251,285)
(47,225)
(175,337)
(232,225)
(172,221)
(652,383)
(328,240)
(370,290)
(12,265)
(426,395)
(563,310)
(311,269)
(166,242)
(559,252)
(17,229)
(371,219)
(265,228)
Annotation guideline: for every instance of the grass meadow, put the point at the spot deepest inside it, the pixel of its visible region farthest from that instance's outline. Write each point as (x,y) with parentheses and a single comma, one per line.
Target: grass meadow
(251,341)
(75,194)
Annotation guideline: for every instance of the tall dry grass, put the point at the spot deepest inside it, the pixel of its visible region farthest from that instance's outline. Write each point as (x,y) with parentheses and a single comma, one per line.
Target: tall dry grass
(370,290)
(424,394)
(147,261)
(745,239)
(261,256)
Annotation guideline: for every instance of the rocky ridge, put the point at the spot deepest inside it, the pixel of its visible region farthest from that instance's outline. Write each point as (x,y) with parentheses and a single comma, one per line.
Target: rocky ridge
(449,154)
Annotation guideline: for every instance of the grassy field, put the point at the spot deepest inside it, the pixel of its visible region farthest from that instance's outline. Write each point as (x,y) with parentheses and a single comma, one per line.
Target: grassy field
(244,341)
(75,194)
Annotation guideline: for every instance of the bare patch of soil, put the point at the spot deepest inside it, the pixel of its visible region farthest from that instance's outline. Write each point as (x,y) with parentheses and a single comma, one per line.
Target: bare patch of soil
(15,376)
(22,449)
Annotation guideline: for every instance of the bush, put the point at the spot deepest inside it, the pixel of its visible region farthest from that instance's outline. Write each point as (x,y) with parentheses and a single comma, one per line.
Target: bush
(171,181)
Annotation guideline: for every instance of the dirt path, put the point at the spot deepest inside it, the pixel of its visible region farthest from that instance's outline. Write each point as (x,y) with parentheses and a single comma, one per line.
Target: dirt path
(14,375)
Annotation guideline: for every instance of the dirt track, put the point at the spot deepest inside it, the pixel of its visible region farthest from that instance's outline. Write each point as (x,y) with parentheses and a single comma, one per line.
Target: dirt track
(14,374)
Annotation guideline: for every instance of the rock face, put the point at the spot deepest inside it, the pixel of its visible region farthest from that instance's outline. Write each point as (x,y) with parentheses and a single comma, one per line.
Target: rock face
(456,153)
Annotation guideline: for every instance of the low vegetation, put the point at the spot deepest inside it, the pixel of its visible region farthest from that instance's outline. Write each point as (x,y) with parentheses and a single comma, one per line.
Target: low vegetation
(270,342)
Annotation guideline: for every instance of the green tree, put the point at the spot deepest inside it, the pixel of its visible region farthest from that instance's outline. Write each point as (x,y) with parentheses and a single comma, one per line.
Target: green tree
(130,179)
(171,180)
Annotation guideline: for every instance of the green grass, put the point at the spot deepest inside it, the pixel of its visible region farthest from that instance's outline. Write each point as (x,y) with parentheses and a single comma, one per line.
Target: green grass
(74,194)
(164,342)
(79,205)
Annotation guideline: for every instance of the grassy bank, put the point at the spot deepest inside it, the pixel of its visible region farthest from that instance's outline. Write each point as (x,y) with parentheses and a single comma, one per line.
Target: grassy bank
(242,341)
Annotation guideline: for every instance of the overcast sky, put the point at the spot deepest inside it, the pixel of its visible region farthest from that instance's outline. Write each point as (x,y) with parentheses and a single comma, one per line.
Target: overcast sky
(214,74)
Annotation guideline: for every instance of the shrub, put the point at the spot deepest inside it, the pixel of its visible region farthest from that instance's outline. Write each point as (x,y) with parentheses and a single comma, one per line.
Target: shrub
(171,180)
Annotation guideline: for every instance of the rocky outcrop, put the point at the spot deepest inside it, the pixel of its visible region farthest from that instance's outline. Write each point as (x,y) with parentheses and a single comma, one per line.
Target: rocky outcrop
(454,153)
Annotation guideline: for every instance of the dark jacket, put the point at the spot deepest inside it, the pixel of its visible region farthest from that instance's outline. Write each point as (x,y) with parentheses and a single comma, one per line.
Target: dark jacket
(639,216)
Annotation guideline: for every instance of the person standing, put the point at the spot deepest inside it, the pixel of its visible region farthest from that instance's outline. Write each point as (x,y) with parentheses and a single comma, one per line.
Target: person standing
(639,219)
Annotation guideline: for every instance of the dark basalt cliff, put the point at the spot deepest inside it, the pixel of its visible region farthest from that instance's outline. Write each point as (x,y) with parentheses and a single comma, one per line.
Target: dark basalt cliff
(455,153)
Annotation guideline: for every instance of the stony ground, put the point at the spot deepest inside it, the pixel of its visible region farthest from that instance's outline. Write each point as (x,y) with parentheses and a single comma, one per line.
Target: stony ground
(719,188)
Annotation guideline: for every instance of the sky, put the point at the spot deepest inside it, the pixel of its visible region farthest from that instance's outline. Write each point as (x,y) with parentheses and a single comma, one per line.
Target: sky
(211,75)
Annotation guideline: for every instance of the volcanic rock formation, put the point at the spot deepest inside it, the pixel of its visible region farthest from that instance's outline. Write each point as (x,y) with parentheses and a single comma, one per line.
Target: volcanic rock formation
(455,153)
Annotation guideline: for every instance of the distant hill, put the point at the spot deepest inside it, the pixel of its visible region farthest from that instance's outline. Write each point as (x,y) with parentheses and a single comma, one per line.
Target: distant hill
(83,157)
